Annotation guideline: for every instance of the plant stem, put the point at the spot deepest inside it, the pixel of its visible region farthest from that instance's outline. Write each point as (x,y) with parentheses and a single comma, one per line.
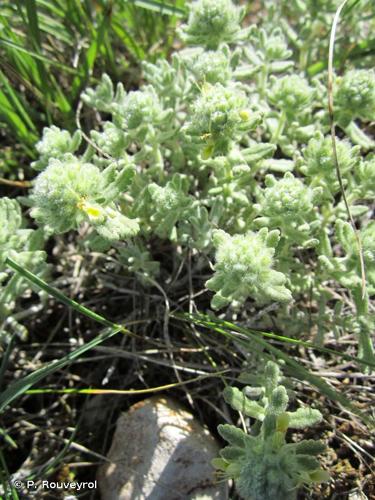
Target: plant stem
(280,128)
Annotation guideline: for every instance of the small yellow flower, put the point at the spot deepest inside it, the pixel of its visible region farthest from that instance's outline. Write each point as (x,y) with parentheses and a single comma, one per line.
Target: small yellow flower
(205,137)
(93,211)
(244,115)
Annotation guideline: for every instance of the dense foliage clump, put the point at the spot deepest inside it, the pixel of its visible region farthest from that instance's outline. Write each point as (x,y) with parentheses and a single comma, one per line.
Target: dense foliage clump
(218,175)
(262,463)
(193,157)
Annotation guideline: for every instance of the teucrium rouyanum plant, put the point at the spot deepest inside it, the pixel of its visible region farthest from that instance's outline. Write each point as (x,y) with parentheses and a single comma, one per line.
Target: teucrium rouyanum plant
(262,463)
(212,23)
(70,191)
(215,184)
(224,156)
(25,246)
(244,269)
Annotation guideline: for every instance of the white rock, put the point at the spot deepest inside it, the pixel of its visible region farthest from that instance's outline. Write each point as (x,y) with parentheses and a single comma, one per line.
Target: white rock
(160,452)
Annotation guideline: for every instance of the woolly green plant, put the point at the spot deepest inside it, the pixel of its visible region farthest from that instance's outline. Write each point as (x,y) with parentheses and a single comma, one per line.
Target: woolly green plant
(212,22)
(290,205)
(244,269)
(25,246)
(55,143)
(171,205)
(355,95)
(291,94)
(69,192)
(220,115)
(319,162)
(223,158)
(263,464)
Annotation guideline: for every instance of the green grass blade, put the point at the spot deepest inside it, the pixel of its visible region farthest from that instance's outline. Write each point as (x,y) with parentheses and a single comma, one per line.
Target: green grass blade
(134,48)
(9,490)
(11,118)
(12,45)
(148,390)
(54,292)
(21,386)
(32,15)
(52,7)
(274,336)
(160,7)
(303,343)
(5,358)
(49,86)
(7,439)
(92,52)
(16,389)
(16,101)
(249,338)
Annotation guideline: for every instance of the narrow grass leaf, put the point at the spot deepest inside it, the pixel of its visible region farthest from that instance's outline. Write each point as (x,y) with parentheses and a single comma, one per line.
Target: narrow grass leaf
(129,392)
(5,358)
(160,7)
(17,103)
(54,292)
(9,490)
(52,62)
(274,336)
(247,338)
(18,388)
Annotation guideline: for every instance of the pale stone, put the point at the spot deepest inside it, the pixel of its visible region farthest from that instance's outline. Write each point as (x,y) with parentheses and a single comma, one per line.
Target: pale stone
(160,452)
